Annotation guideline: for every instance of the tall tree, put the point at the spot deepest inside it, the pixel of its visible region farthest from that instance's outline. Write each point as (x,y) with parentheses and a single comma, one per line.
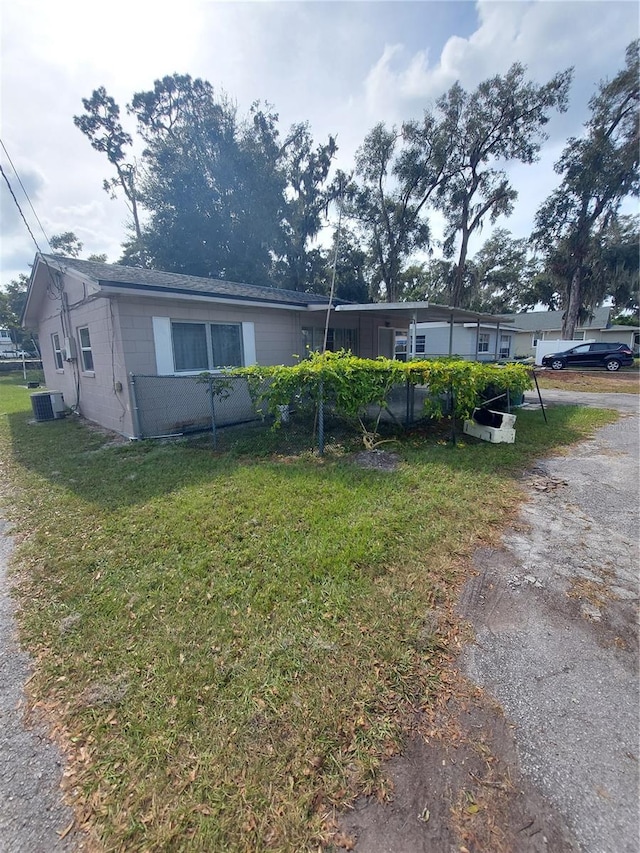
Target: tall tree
(598,171)
(102,126)
(306,170)
(501,121)
(350,263)
(194,172)
(500,273)
(399,173)
(69,245)
(66,244)
(620,263)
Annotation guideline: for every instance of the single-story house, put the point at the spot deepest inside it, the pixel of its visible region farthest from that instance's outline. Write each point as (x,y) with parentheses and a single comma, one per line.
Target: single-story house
(491,340)
(102,325)
(534,326)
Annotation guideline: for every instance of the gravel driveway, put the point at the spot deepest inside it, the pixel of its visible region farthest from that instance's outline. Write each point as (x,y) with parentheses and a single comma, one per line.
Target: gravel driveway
(32,815)
(554,612)
(555,615)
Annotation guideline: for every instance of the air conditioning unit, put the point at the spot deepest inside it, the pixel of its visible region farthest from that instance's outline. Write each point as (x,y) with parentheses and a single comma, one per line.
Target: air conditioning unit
(47,405)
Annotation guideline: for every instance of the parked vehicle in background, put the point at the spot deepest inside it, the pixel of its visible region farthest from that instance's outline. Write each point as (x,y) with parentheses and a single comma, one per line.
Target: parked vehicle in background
(612,356)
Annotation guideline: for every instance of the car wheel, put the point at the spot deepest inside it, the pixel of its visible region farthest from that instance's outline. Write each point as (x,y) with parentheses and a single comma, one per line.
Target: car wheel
(557,364)
(613,364)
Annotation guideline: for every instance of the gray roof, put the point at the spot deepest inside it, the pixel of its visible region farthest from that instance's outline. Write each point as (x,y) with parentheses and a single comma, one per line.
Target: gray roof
(546,321)
(155,280)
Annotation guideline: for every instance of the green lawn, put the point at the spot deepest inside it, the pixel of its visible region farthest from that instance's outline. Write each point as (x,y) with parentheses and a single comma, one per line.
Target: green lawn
(231,642)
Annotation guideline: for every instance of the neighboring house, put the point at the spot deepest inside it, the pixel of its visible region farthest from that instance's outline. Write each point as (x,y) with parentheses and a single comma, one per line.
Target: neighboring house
(534,326)
(488,341)
(6,344)
(100,324)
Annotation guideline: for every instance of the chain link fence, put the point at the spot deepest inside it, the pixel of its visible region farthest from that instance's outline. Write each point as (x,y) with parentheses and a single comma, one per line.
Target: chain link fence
(171,406)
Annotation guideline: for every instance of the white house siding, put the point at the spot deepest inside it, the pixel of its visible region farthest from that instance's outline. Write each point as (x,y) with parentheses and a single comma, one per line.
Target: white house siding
(618,334)
(463,342)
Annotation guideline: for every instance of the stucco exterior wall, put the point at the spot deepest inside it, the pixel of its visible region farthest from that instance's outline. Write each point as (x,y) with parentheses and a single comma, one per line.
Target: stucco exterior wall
(101,394)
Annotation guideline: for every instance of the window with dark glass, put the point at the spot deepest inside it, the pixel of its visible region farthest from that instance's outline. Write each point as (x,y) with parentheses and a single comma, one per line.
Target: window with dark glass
(190,350)
(337,339)
(86,353)
(57,352)
(206,346)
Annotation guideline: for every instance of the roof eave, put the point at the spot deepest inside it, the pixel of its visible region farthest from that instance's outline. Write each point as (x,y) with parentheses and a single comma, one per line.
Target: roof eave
(118,288)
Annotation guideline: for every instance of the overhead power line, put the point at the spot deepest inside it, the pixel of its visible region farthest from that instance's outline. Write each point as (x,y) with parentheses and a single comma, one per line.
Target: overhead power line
(4,175)
(26,195)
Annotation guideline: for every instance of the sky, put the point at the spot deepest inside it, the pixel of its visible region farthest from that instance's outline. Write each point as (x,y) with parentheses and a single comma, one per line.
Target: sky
(341,66)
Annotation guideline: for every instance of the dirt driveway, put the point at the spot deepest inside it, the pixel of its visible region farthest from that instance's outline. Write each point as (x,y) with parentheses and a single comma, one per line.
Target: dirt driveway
(544,754)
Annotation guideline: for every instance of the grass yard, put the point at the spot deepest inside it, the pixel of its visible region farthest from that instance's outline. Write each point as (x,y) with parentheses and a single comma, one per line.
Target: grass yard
(230,643)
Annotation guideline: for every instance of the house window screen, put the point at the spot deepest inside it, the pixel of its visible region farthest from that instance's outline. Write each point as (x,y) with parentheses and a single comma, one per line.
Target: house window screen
(421,344)
(190,346)
(206,346)
(505,346)
(483,342)
(226,345)
(85,349)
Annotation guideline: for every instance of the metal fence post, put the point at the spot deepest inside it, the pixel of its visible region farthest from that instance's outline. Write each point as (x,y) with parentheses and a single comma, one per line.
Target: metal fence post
(321,420)
(214,436)
(135,412)
(411,402)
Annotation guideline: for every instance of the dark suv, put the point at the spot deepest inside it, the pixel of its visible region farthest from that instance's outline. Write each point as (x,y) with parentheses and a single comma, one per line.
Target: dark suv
(612,356)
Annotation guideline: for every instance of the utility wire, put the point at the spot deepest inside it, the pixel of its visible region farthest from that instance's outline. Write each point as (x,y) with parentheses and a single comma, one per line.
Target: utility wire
(26,194)
(4,175)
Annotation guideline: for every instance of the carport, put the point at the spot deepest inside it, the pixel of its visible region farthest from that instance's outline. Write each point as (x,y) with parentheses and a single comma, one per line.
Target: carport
(395,317)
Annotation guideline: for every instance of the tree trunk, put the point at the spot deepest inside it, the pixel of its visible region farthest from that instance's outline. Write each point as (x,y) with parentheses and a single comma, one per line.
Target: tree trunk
(458,280)
(570,319)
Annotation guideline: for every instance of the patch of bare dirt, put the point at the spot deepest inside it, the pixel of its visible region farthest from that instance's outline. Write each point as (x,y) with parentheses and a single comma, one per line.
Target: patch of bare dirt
(456,787)
(380,460)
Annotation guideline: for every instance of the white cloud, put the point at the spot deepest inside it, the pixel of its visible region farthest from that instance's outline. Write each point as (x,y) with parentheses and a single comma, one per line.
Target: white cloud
(546,37)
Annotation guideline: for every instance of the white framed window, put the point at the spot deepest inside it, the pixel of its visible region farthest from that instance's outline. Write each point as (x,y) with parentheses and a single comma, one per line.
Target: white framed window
(537,336)
(57,351)
(191,346)
(483,342)
(421,344)
(206,346)
(505,346)
(86,354)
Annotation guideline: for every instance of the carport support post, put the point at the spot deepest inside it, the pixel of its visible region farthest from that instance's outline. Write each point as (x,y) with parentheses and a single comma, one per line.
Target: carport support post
(214,437)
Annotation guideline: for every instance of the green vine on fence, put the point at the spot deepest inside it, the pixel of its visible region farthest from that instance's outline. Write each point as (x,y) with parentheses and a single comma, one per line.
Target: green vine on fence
(353,385)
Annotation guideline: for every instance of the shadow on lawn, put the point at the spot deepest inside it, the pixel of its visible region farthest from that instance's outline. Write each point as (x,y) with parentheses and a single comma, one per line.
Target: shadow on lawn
(73,456)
